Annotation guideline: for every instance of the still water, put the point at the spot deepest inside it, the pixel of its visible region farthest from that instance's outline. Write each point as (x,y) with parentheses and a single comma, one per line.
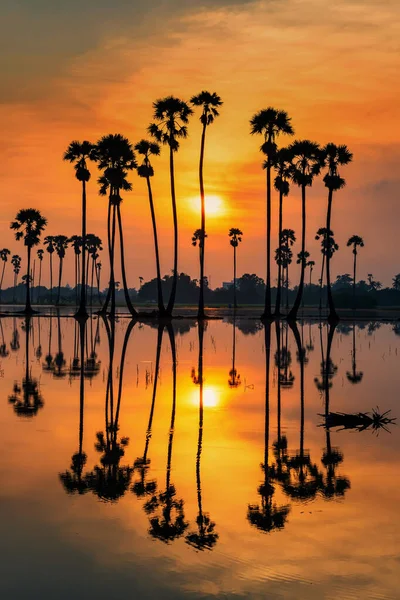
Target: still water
(142,462)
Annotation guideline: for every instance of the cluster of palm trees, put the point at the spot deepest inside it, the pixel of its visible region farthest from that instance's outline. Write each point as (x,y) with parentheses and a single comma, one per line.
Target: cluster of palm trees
(299,163)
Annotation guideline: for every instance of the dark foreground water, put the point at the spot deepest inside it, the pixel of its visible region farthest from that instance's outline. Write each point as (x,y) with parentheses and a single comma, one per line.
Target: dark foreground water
(150,463)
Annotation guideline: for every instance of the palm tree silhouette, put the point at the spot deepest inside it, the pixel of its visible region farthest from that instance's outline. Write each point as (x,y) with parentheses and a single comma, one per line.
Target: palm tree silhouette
(16,263)
(306,165)
(322,235)
(4,352)
(94,246)
(268,516)
(278,472)
(304,479)
(284,255)
(270,123)
(354,376)
(332,485)
(333,158)
(205,537)
(145,170)
(59,361)
(234,380)
(60,246)
(4,254)
(116,157)
(50,247)
(72,480)
(235,235)
(40,257)
(357,242)
(198,237)
(26,398)
(80,153)
(311,265)
(142,463)
(170,523)
(76,244)
(210,103)
(171,117)
(283,166)
(29,225)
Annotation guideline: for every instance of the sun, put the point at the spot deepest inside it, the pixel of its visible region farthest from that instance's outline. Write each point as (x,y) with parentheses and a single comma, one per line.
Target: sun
(215,205)
(211,397)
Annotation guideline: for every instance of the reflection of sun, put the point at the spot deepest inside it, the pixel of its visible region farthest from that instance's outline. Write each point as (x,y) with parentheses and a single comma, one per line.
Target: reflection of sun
(215,205)
(210,397)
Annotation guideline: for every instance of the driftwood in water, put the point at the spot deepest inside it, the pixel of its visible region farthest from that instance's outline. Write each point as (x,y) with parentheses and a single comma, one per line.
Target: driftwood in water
(359,421)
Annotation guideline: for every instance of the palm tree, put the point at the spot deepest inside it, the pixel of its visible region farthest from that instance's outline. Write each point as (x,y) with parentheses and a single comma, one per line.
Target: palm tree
(396,282)
(270,123)
(198,238)
(322,234)
(145,170)
(284,255)
(210,102)
(60,246)
(16,263)
(306,165)
(116,158)
(93,246)
(49,242)
(333,158)
(40,257)
(311,265)
(76,244)
(29,225)
(355,241)
(269,516)
(235,235)
(283,166)
(4,254)
(80,153)
(205,537)
(171,116)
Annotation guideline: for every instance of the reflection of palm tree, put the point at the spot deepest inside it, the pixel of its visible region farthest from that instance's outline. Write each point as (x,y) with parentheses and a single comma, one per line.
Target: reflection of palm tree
(332,485)
(26,398)
(72,480)
(234,378)
(92,365)
(205,537)
(286,376)
(3,346)
(280,445)
(355,241)
(110,480)
(170,524)
(304,479)
(269,515)
(59,361)
(61,244)
(354,376)
(14,344)
(142,463)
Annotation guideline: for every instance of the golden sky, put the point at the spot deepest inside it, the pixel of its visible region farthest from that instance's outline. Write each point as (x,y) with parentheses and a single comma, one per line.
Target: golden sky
(78,72)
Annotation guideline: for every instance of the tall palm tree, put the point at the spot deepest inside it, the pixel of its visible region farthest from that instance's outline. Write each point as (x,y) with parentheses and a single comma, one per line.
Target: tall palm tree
(50,247)
(93,246)
(270,123)
(16,263)
(284,255)
(210,102)
(76,244)
(40,254)
(4,254)
(235,235)
(283,167)
(198,237)
(306,165)
(205,537)
(171,116)
(310,264)
(322,234)
(145,170)
(80,153)
(333,158)
(116,158)
(357,242)
(60,246)
(29,224)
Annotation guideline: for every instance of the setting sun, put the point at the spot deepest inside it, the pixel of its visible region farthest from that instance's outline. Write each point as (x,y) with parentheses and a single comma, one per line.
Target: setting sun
(215,205)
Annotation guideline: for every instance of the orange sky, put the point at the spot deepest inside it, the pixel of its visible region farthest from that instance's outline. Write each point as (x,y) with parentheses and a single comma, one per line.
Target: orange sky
(332,66)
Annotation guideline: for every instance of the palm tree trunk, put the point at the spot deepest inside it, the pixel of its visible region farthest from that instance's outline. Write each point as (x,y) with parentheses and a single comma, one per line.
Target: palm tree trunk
(15,288)
(287,288)
(173,413)
(51,278)
(267,308)
(82,327)
(40,280)
(200,313)
(91,287)
(279,407)
(76,279)
(121,244)
(33,281)
(2,277)
(121,369)
(108,297)
(332,312)
(322,281)
(82,312)
(171,302)
(112,276)
(153,400)
(278,291)
(267,342)
(161,308)
(59,281)
(28,307)
(292,316)
(201,412)
(354,277)
(234,278)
